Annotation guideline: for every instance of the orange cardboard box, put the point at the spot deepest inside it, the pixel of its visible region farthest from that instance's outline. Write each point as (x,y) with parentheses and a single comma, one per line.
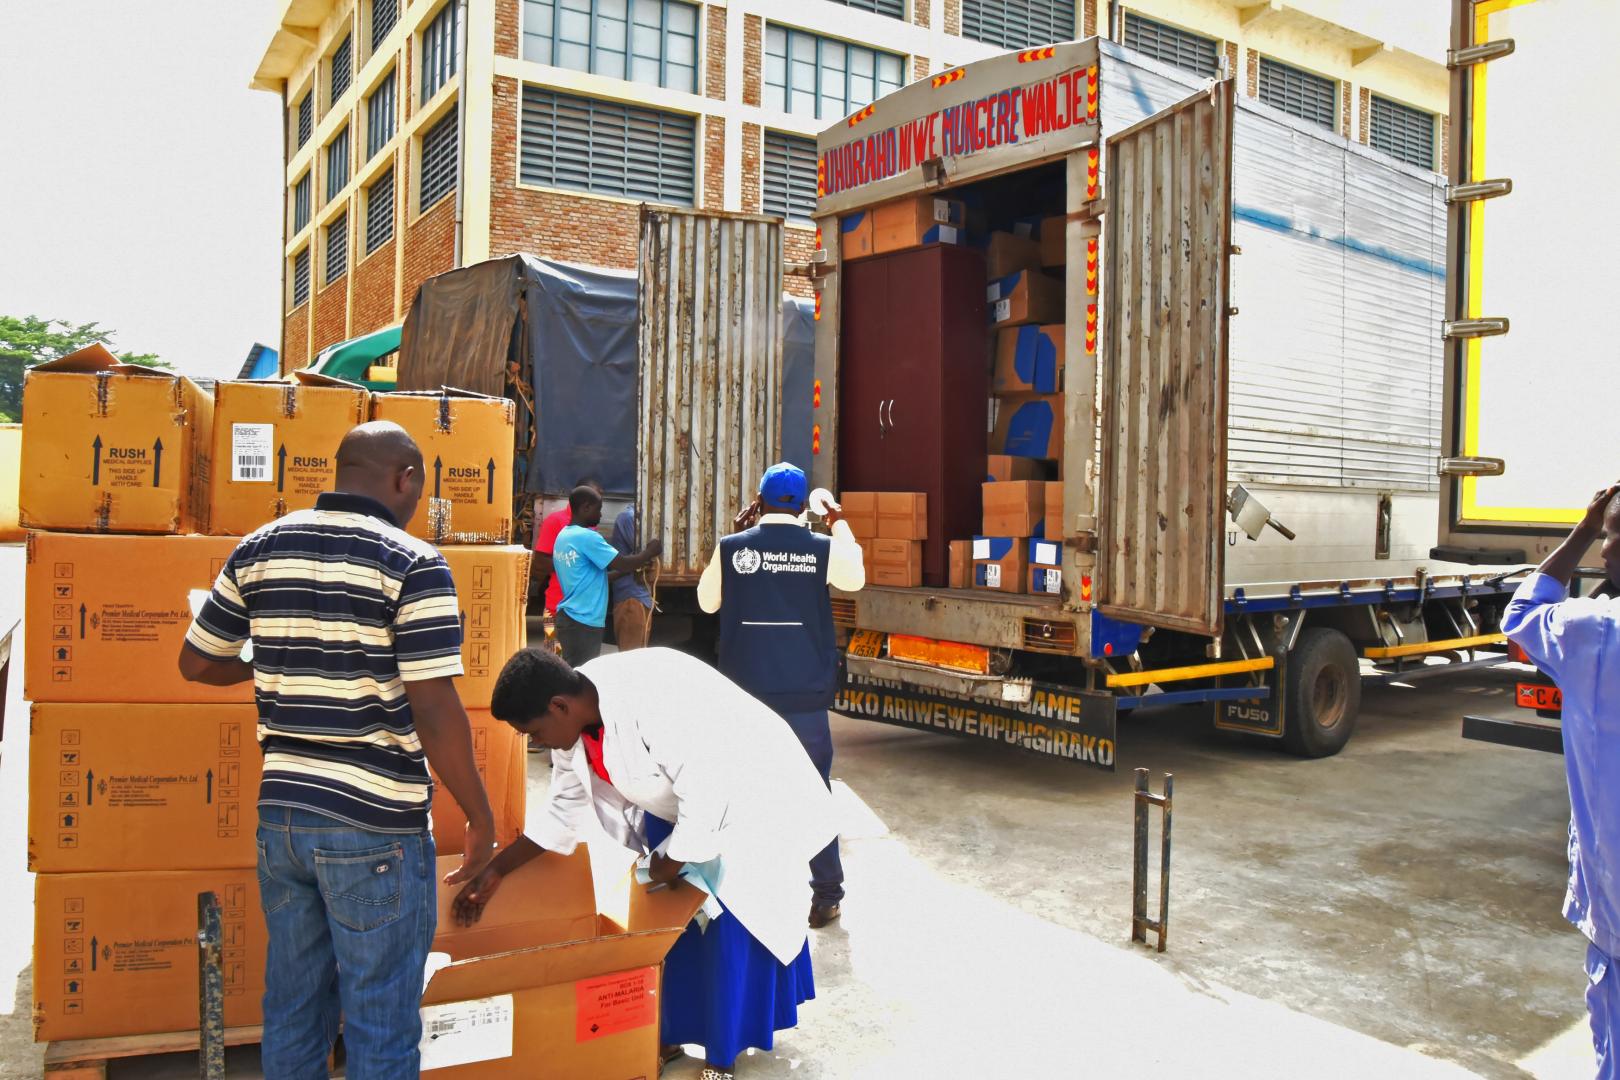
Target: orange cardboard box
(1054,246)
(855,235)
(467,442)
(1000,563)
(1025,296)
(1007,467)
(113,447)
(909,223)
(142,787)
(116,954)
(492,589)
(545,984)
(1053,529)
(1014,507)
(106,615)
(896,562)
(902,515)
(274,446)
(10,475)
(961,563)
(861,511)
(501,754)
(1009,253)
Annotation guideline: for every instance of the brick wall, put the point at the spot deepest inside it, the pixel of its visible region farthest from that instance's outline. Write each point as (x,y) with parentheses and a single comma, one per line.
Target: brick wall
(1344,109)
(920,12)
(374,290)
(1364,113)
(714,77)
(1088,19)
(331,314)
(919,68)
(408,88)
(1252,74)
(1445,145)
(753,148)
(430,247)
(953,17)
(295,338)
(1232,61)
(508,35)
(797,245)
(753,58)
(714,163)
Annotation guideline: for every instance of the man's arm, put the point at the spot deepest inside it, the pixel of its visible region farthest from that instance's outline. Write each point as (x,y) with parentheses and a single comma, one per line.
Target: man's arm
(212,651)
(710,584)
(210,671)
(629,564)
(1541,619)
(539,573)
(846,562)
(441,724)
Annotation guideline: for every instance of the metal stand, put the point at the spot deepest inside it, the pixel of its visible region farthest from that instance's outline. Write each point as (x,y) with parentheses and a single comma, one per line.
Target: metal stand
(1140,923)
(210,990)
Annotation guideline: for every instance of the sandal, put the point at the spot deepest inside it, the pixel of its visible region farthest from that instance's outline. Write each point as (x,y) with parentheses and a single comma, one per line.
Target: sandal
(712,1073)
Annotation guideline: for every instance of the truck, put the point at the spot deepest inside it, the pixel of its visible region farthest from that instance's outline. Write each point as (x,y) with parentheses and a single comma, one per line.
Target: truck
(1524,405)
(1250,407)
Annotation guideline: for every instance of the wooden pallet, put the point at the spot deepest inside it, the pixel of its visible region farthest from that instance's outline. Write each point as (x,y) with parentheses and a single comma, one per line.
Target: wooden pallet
(86,1059)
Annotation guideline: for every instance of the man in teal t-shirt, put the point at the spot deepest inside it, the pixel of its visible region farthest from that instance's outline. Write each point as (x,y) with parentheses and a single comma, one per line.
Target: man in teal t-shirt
(582,560)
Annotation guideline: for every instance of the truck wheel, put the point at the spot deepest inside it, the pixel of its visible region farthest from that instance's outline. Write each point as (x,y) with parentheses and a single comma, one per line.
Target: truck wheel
(1323,693)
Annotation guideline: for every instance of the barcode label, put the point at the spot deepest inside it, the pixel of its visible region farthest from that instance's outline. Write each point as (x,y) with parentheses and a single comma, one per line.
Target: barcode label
(464,1032)
(1003,310)
(250,452)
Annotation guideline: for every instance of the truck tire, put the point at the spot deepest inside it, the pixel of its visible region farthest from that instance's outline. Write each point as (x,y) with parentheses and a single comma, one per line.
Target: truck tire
(1323,693)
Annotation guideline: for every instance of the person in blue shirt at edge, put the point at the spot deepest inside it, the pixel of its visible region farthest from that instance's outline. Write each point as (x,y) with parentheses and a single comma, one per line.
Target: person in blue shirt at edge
(769,584)
(583,559)
(1576,641)
(631,600)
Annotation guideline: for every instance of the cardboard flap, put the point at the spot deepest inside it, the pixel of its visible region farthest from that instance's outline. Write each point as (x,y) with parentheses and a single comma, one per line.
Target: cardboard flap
(89,359)
(443,391)
(312,378)
(549,899)
(547,965)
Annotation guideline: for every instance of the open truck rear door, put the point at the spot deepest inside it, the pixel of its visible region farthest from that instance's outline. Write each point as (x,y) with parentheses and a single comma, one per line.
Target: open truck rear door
(1167,243)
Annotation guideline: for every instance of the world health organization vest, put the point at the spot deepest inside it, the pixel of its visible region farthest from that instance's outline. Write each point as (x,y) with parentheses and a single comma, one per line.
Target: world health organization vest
(776,629)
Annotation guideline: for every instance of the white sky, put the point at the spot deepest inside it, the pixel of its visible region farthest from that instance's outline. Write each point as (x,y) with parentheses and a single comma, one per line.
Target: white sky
(139,175)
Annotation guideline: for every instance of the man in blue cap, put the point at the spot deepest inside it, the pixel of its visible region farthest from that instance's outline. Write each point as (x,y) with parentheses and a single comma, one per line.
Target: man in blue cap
(769,584)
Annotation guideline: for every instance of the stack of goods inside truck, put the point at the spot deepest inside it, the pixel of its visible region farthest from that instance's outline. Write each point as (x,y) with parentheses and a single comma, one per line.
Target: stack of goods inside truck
(951,384)
(136,486)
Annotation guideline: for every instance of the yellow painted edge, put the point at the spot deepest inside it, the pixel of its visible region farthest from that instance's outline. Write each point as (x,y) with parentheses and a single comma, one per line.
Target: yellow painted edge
(1423,648)
(1197,671)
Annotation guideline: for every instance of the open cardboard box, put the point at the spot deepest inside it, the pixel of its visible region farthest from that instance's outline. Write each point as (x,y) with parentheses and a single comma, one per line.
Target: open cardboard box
(547,985)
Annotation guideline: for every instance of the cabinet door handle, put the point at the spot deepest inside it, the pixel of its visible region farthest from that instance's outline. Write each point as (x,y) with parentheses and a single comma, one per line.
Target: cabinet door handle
(891,414)
(882,431)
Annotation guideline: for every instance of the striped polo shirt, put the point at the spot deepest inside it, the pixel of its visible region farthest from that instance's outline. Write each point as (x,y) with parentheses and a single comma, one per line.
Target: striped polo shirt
(343,608)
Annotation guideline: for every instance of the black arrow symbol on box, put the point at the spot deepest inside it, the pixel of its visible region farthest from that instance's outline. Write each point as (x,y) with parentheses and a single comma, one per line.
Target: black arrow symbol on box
(92,954)
(281,468)
(438,464)
(95,470)
(210,785)
(157,462)
(89,788)
(491,496)
(81,622)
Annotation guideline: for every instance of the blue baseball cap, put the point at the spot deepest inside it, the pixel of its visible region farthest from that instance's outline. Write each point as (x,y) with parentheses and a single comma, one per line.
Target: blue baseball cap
(784,486)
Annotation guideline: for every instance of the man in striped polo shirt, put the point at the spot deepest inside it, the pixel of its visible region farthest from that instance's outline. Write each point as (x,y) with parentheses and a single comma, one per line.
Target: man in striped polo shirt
(356,643)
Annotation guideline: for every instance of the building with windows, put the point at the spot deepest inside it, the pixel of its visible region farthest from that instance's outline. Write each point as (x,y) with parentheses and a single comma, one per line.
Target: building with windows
(426,134)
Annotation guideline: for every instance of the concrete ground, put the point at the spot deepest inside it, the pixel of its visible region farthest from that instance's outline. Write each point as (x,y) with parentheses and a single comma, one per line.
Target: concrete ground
(1391,911)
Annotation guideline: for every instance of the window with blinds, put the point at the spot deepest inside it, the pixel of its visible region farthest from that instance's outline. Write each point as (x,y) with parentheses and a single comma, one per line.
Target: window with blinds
(380,211)
(342,70)
(894,9)
(438,161)
(337,163)
(301,203)
(1173,45)
(384,14)
(1018,24)
(306,117)
(337,248)
(789,189)
(644,41)
(439,51)
(1402,132)
(607,148)
(300,277)
(1299,93)
(380,110)
(824,77)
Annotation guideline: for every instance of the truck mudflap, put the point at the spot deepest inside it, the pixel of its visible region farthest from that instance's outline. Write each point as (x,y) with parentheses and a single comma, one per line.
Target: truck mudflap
(1053,721)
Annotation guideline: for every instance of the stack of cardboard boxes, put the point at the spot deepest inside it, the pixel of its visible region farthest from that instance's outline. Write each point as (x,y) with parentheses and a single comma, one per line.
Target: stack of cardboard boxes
(136,485)
(891,527)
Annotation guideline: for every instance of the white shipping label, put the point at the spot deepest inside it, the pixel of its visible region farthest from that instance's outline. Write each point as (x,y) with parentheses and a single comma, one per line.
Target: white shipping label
(992,576)
(1046,554)
(251,447)
(462,1032)
(1003,310)
(1052,582)
(992,291)
(981,549)
(950,234)
(942,211)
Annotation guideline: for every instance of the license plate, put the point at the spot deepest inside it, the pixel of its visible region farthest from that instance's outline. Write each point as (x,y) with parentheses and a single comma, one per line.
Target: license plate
(866,643)
(1539,696)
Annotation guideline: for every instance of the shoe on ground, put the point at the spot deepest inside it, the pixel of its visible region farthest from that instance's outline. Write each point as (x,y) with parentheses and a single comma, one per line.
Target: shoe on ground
(823,914)
(712,1073)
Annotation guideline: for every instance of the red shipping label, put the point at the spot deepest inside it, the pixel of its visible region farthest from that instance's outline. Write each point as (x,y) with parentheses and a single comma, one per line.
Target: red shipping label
(613,1003)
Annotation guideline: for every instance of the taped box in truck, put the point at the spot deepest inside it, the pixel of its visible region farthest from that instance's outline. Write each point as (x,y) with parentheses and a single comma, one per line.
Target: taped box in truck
(1008,252)
(1014,508)
(961,552)
(1007,467)
(896,562)
(501,755)
(105,616)
(274,446)
(142,787)
(902,515)
(1029,360)
(1054,250)
(113,447)
(545,983)
(1028,296)
(1029,425)
(116,954)
(911,223)
(861,512)
(467,441)
(1000,563)
(492,588)
(1053,529)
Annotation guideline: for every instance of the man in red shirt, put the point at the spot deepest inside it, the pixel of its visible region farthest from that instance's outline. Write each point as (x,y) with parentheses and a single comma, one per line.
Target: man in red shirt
(545,543)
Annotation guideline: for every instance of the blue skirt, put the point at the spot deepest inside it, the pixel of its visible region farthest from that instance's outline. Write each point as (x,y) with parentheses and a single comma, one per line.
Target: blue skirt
(725,991)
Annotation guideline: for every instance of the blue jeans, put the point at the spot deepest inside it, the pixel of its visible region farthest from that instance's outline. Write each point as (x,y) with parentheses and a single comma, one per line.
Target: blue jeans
(351,915)
(826,869)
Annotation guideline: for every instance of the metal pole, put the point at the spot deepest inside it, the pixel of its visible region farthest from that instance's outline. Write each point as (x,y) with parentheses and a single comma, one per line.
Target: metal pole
(1164,865)
(210,990)
(1139,859)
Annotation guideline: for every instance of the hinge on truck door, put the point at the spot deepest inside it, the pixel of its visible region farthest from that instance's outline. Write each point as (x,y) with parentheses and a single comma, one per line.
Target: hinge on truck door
(1473,328)
(1479,54)
(1471,466)
(1479,189)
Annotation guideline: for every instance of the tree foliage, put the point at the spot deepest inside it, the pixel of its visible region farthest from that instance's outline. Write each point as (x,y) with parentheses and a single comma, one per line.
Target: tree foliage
(26,340)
